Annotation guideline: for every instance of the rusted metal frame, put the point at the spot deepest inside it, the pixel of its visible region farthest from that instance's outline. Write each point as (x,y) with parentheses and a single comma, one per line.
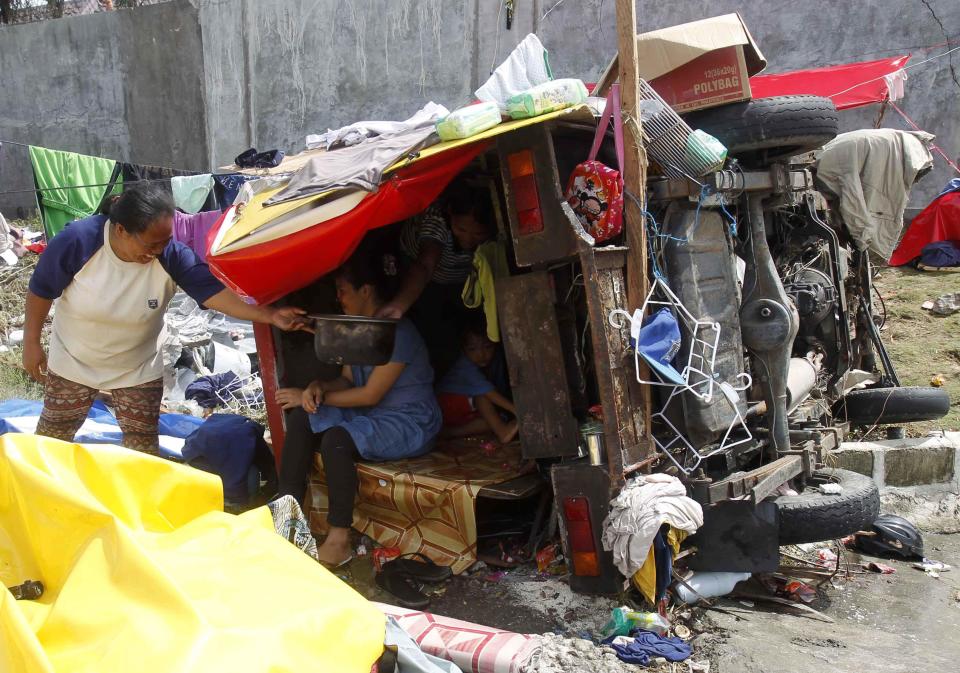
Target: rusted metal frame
(742,485)
(792,466)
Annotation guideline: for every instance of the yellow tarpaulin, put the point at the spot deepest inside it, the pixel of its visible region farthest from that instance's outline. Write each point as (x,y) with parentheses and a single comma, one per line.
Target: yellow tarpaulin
(144,573)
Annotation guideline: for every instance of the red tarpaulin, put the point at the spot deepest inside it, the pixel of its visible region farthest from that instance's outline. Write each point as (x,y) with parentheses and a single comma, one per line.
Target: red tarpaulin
(940,221)
(271,270)
(849,85)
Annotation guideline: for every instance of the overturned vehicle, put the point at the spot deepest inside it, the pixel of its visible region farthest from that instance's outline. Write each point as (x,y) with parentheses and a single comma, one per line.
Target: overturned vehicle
(754,353)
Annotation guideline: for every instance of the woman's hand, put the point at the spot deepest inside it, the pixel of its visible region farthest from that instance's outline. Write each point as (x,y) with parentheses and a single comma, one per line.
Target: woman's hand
(289,318)
(35,360)
(312,397)
(289,398)
(390,312)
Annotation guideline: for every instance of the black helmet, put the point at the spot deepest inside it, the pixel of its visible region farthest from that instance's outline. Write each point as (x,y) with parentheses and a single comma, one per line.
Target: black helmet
(894,535)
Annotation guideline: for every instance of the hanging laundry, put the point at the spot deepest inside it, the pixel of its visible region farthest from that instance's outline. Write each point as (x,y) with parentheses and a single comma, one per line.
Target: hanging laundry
(489,263)
(654,576)
(192,230)
(190,192)
(636,514)
(871,171)
(226,187)
(355,166)
(54,170)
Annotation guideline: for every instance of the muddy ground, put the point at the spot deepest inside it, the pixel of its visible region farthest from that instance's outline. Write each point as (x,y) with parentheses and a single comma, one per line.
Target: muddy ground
(904,622)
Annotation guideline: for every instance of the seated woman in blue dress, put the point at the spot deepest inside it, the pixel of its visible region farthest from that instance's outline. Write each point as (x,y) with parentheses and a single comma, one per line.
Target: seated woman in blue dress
(370,413)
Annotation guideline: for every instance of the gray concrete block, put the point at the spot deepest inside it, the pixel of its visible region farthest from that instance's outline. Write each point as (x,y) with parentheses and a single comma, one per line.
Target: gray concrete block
(913,466)
(855,460)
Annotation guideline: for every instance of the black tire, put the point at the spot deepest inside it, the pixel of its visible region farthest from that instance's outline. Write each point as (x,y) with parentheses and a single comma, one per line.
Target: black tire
(893,406)
(766,129)
(814,517)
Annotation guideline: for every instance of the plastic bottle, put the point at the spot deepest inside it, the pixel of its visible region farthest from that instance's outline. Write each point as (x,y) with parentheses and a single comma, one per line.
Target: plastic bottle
(708,585)
(623,620)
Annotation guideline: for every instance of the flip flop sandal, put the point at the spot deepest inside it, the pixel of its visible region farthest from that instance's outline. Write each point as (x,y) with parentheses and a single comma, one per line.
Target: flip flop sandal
(334,566)
(424,571)
(401,586)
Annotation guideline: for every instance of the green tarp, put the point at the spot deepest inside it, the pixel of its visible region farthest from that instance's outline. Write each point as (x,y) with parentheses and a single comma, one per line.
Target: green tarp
(53,168)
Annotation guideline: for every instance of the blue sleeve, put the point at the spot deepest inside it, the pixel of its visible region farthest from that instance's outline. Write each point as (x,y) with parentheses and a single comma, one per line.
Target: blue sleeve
(465,378)
(187,271)
(408,344)
(65,255)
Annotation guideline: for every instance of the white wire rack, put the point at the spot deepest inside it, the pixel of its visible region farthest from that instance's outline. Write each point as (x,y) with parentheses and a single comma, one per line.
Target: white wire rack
(245,397)
(692,457)
(703,336)
(667,138)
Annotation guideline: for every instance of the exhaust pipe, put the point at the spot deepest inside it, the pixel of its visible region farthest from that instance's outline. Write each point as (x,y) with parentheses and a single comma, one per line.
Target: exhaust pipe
(801,379)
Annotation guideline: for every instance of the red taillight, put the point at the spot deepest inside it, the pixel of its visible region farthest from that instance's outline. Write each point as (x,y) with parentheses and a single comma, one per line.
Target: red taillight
(523,186)
(576,512)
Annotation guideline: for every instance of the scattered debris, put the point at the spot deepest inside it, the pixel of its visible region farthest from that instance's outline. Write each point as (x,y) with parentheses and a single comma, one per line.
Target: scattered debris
(881,568)
(383,555)
(945,304)
(937,380)
(931,567)
(557,654)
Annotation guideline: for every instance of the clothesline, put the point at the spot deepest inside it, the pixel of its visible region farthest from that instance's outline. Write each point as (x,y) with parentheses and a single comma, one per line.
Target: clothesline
(28,146)
(933,146)
(906,67)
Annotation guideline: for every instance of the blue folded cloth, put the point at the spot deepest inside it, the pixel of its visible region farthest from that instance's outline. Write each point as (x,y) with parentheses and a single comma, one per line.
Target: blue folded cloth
(646,645)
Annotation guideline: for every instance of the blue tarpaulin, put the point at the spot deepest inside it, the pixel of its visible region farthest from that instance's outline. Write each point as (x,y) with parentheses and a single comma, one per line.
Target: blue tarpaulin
(100,427)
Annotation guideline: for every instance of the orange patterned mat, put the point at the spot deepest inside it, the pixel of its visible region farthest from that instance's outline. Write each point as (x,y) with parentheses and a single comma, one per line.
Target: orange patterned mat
(424,504)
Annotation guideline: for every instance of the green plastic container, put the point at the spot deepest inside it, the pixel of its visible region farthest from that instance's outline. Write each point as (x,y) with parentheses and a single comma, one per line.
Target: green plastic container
(547,97)
(468,121)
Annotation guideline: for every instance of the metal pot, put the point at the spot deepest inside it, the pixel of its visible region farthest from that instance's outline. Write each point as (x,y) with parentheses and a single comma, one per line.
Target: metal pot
(353,339)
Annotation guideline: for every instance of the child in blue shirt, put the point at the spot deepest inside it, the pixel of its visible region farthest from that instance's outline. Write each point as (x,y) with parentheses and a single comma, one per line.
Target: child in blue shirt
(470,403)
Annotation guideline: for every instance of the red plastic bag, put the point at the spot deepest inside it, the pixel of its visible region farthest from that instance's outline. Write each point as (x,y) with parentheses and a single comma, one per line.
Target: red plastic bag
(594,190)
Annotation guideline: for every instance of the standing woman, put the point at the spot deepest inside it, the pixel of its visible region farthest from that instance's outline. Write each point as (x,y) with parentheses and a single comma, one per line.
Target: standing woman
(112,278)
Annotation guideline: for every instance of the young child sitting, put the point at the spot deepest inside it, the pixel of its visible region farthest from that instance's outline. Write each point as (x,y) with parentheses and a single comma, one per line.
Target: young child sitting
(470,403)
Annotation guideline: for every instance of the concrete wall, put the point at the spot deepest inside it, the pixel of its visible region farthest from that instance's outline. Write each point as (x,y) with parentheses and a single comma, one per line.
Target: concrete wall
(193,82)
(126,85)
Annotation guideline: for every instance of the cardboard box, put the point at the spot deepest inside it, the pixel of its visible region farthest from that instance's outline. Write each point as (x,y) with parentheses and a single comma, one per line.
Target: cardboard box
(696,65)
(716,78)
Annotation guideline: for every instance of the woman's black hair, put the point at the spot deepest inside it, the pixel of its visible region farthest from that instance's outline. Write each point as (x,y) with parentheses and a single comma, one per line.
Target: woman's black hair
(460,198)
(369,265)
(139,206)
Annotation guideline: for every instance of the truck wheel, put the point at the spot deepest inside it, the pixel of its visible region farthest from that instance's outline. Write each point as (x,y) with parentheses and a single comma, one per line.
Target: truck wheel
(893,406)
(765,129)
(813,516)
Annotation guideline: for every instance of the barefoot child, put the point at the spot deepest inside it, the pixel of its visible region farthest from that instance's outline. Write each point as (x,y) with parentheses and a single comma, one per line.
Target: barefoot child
(470,403)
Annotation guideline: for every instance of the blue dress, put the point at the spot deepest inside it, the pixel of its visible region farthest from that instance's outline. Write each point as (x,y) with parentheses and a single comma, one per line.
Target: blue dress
(407,419)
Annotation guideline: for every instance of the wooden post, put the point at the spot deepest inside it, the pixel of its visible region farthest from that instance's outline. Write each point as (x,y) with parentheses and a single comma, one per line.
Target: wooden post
(635,156)
(635,166)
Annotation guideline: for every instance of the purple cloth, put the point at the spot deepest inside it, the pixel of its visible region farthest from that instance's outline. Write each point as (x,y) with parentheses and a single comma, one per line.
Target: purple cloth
(192,230)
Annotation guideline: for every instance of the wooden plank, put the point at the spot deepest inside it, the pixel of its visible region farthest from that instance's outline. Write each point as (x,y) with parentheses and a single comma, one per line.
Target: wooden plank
(531,340)
(624,419)
(634,170)
(516,489)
